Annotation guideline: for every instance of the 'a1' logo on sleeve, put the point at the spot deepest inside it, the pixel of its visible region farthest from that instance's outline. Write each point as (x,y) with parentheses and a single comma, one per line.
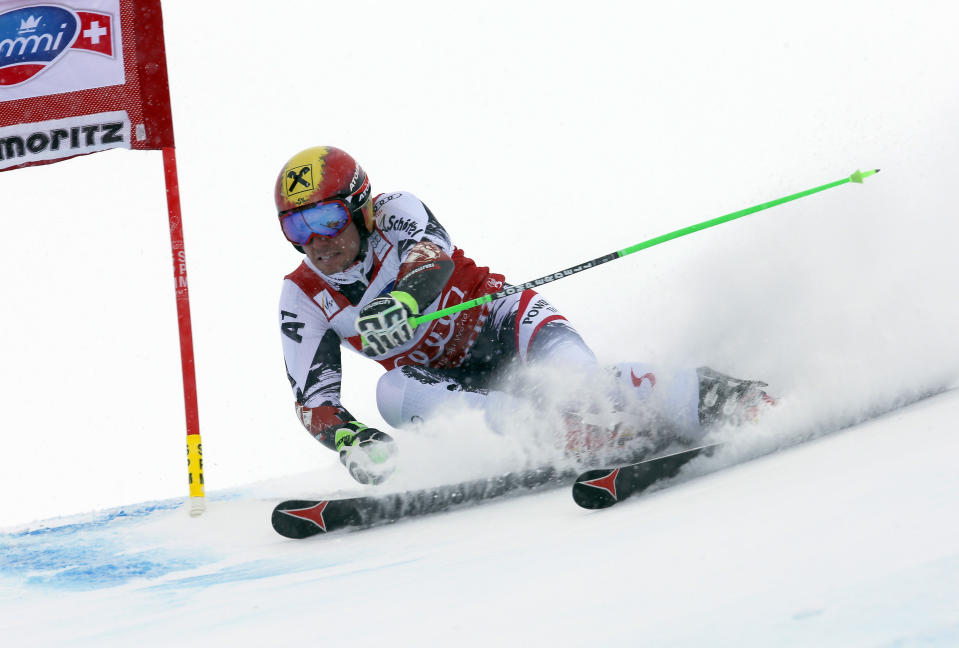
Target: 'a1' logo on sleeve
(35,38)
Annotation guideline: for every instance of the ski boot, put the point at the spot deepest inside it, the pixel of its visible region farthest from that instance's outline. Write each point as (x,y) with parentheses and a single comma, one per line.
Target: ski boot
(724,400)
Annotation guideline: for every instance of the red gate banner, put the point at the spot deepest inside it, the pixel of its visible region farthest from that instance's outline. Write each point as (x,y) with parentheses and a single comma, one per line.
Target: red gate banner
(81,76)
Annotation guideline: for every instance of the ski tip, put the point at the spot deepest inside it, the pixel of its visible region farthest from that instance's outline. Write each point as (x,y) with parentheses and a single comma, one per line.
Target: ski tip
(596,489)
(602,487)
(589,498)
(299,518)
(304,518)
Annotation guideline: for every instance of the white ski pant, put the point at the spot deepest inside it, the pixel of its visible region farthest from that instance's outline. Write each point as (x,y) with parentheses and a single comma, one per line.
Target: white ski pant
(525,330)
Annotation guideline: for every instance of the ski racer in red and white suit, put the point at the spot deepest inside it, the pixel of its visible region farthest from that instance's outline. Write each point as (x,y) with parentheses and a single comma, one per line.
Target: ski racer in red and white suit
(404,263)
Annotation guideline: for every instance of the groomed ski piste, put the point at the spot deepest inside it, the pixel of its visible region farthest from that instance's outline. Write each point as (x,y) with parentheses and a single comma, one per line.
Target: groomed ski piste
(786,538)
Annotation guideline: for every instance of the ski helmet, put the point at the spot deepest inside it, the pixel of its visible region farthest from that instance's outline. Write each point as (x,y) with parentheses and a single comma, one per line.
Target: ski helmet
(322,173)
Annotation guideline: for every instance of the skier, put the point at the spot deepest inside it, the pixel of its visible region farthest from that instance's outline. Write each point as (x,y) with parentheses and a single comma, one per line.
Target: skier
(373,262)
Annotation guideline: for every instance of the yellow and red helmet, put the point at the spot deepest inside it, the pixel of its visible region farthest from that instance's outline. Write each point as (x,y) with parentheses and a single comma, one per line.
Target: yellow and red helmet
(324,173)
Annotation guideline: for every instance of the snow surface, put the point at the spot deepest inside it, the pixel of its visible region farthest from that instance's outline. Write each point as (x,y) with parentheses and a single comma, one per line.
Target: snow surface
(849,540)
(542,134)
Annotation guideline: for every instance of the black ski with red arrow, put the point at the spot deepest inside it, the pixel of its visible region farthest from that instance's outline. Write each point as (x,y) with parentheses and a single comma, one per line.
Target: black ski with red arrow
(603,487)
(304,518)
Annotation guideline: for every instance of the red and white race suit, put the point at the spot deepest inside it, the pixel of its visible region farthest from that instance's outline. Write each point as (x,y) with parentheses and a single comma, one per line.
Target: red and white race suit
(318,311)
(458,352)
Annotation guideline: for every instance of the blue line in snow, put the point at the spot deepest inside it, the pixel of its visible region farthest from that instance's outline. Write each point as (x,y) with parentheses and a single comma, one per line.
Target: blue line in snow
(90,554)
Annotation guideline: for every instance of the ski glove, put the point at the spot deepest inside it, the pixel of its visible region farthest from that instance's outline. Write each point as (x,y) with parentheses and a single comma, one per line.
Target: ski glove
(384,323)
(367,453)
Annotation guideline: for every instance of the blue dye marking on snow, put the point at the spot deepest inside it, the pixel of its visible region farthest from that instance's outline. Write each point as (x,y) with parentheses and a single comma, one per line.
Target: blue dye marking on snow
(102,520)
(103,568)
(89,555)
(100,551)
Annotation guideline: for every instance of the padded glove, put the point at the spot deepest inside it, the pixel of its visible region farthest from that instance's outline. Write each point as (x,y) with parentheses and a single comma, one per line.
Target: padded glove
(369,455)
(384,324)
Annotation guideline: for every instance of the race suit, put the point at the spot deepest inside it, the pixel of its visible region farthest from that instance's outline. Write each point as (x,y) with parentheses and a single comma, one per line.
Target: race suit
(463,352)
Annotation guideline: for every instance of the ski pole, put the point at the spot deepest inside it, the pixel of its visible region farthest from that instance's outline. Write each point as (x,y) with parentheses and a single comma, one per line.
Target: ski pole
(858,177)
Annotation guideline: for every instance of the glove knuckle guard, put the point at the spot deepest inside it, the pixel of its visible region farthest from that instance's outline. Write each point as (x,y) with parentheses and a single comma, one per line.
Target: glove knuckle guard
(384,325)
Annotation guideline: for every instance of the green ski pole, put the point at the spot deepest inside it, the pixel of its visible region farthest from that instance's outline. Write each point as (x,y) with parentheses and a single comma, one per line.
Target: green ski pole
(858,177)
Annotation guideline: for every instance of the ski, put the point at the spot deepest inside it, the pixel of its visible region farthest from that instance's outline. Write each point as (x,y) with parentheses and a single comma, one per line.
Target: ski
(603,487)
(305,518)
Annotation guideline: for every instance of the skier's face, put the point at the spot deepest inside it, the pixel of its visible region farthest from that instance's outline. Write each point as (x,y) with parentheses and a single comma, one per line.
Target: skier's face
(332,255)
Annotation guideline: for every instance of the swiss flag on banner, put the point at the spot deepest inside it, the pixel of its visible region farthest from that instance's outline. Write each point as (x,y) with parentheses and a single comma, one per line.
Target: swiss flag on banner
(96,35)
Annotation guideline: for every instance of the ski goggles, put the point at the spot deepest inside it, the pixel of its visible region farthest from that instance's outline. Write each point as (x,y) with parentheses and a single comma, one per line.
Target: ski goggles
(327,218)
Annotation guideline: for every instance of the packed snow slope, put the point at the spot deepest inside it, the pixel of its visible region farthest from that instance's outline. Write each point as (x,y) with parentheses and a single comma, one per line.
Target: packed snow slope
(847,540)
